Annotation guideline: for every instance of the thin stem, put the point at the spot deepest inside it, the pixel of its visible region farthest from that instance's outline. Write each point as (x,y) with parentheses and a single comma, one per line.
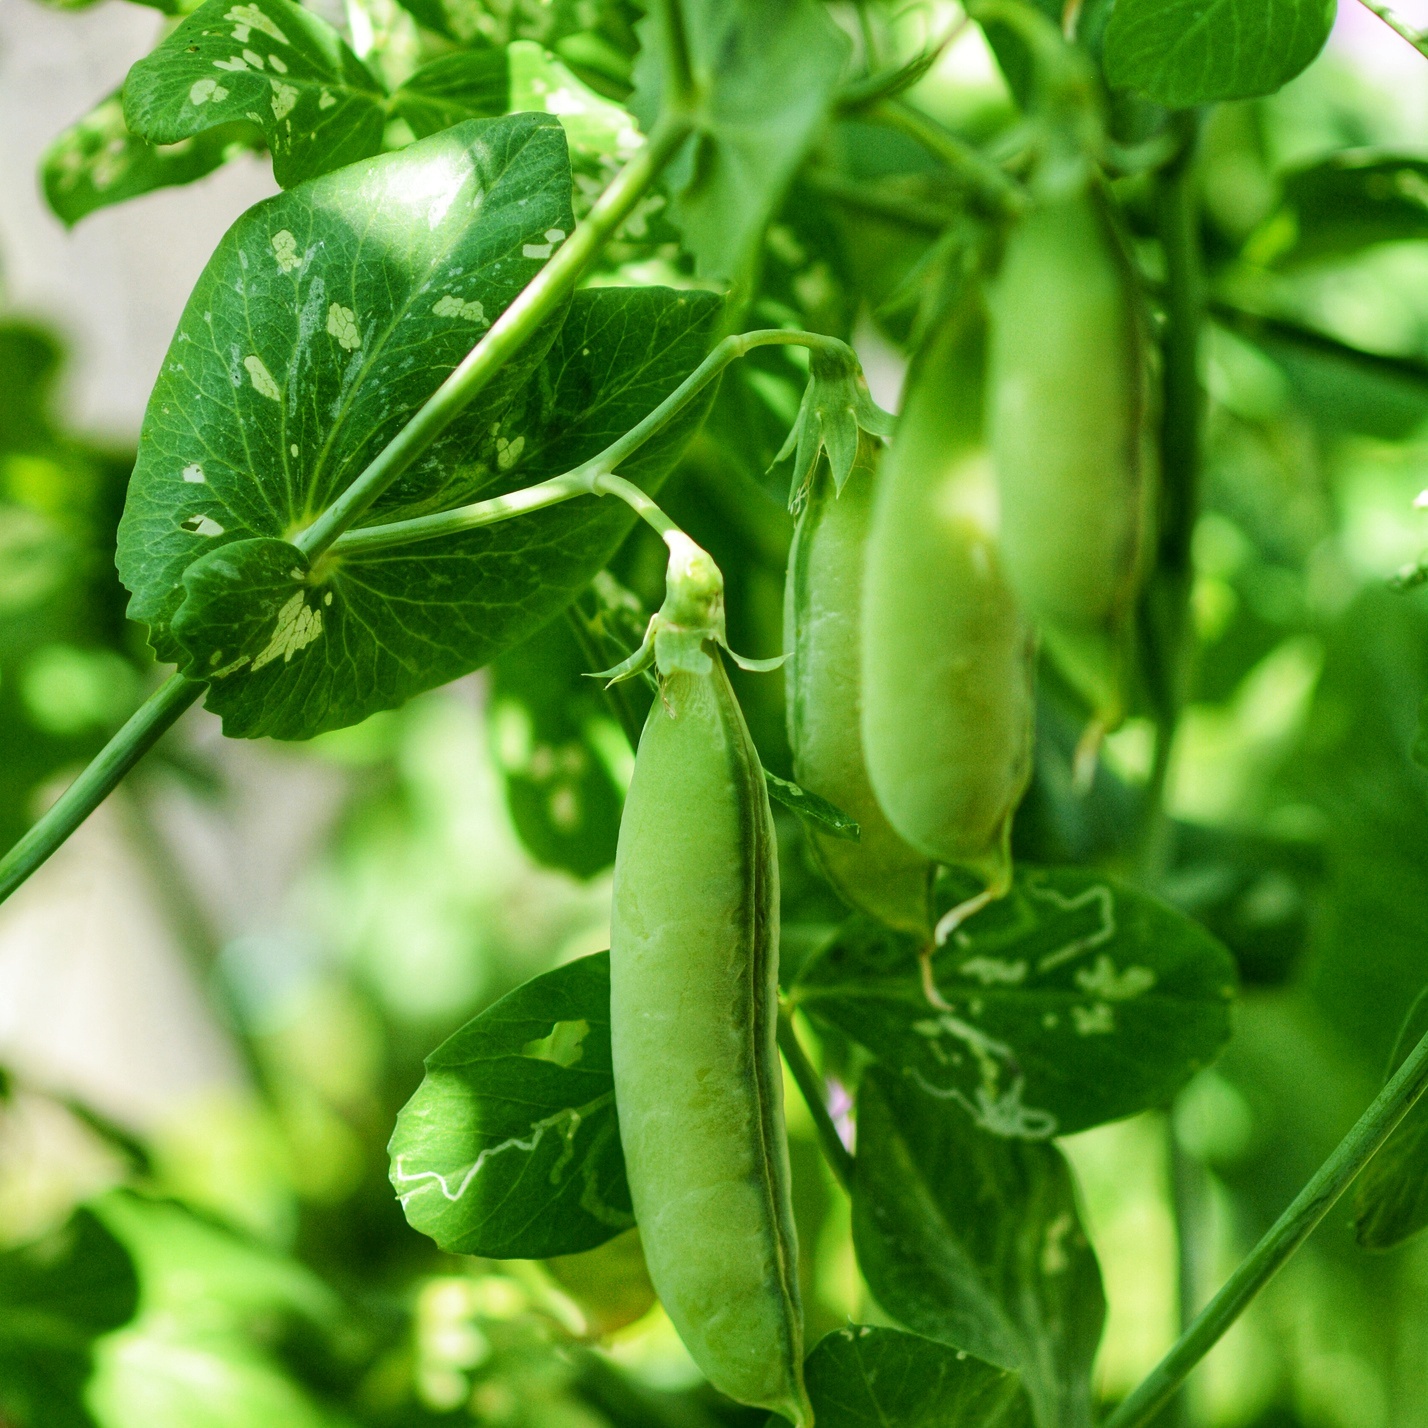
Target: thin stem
(156,715)
(1417,38)
(536,301)
(983,179)
(870,198)
(594,477)
(1286,1235)
(840,1161)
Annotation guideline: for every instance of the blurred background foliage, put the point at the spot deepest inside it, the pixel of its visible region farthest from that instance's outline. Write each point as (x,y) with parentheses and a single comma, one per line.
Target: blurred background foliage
(214,1001)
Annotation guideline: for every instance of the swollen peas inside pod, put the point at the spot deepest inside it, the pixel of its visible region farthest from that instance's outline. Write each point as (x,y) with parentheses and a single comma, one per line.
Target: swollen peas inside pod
(1069,394)
(694,943)
(947,654)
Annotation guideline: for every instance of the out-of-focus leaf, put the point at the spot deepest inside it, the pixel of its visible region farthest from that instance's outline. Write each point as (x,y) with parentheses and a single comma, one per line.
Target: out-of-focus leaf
(470,84)
(867,1377)
(97,161)
(1356,768)
(610,1283)
(1391,1201)
(594,127)
(1070,1002)
(1341,388)
(1255,893)
(560,752)
(976,1241)
(511,1147)
(763,75)
(264,62)
(56,1297)
(1186,52)
(1342,205)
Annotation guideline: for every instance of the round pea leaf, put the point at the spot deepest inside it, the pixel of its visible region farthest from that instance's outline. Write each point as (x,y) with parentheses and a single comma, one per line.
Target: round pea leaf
(264,62)
(510,1147)
(1070,1002)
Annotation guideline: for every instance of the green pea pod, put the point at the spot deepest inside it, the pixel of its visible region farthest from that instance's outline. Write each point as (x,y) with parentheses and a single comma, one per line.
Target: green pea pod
(693,1016)
(947,654)
(880,874)
(1067,420)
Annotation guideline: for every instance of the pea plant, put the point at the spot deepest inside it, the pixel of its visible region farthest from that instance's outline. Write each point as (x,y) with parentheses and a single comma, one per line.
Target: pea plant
(531,265)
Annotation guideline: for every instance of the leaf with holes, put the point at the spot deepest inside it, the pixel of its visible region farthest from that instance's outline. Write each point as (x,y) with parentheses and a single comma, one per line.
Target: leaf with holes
(1187,52)
(1070,1002)
(97,161)
(976,1241)
(510,1147)
(266,62)
(764,72)
(866,1377)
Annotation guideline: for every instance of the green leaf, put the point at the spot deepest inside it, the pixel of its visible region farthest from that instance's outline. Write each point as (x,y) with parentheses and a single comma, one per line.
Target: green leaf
(867,1377)
(976,1241)
(1346,203)
(56,1297)
(470,84)
(1013,58)
(97,161)
(560,752)
(1070,1002)
(1187,52)
(1391,1201)
(266,62)
(764,73)
(595,127)
(510,1147)
(813,810)
(404,620)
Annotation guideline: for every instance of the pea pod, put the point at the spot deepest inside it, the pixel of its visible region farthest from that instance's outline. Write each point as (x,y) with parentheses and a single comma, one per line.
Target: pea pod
(880,873)
(947,654)
(1067,407)
(693,1016)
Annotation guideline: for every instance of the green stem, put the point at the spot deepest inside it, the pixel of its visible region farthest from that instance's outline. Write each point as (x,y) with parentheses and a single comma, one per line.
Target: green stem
(983,179)
(596,476)
(156,715)
(536,301)
(1417,38)
(1166,604)
(1286,1235)
(840,1161)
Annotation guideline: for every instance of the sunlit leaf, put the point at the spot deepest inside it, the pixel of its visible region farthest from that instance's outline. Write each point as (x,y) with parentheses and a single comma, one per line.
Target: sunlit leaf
(870,1377)
(763,72)
(510,1147)
(1186,52)
(359,293)
(976,1241)
(1070,1002)
(264,62)
(97,161)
